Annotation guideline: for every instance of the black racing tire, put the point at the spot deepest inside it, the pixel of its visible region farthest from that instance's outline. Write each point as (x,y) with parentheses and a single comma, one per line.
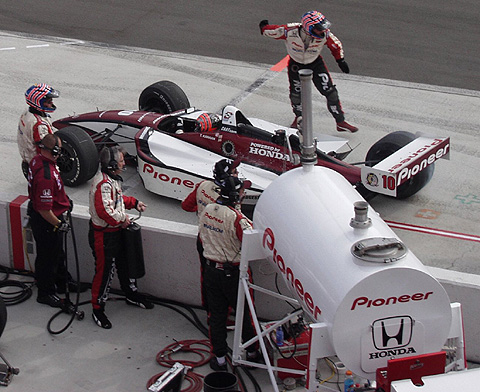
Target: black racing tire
(3,315)
(79,160)
(391,143)
(163,97)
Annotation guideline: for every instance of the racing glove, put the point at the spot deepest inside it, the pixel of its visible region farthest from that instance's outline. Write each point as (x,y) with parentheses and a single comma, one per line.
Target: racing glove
(343,65)
(262,24)
(62,227)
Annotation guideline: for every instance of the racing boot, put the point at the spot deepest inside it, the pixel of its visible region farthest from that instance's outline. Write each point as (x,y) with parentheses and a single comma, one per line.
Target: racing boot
(51,300)
(215,365)
(101,319)
(343,126)
(137,299)
(297,123)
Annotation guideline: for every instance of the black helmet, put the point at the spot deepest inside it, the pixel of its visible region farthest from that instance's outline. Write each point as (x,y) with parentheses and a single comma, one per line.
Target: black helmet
(223,169)
(230,190)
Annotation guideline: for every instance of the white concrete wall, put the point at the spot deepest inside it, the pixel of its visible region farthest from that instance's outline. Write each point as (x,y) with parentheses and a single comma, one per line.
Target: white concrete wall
(173,271)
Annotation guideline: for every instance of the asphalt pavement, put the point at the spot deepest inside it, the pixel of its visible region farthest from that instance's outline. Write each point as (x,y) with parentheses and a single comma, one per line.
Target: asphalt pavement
(442,221)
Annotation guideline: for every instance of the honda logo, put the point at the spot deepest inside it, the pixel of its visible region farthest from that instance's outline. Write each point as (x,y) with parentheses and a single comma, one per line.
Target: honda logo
(392,332)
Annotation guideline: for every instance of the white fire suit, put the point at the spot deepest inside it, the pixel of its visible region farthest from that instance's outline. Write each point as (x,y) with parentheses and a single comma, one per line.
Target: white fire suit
(304,51)
(32,128)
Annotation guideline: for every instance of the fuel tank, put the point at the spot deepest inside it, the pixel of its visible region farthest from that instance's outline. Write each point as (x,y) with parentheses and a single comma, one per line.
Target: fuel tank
(348,269)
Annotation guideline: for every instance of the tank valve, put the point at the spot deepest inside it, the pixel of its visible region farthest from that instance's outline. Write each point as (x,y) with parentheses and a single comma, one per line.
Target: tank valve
(361,219)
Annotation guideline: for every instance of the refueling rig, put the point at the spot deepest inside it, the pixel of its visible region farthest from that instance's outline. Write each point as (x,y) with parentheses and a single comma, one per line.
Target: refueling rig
(370,301)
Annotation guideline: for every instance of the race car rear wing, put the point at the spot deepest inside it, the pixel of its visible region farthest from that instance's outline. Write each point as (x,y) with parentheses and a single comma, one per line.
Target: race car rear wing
(387,175)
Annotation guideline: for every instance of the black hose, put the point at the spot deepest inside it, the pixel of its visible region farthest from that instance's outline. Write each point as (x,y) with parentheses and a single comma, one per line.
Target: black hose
(73,311)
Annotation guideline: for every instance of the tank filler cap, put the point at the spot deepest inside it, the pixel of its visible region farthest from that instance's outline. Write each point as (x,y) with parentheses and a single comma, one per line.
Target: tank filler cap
(379,250)
(361,219)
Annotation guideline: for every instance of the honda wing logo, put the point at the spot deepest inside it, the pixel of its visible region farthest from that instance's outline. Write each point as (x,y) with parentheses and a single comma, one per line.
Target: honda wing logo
(392,332)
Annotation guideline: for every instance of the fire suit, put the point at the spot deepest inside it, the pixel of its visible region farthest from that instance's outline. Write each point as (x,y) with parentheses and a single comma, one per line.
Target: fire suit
(204,193)
(107,207)
(304,52)
(221,232)
(46,192)
(32,128)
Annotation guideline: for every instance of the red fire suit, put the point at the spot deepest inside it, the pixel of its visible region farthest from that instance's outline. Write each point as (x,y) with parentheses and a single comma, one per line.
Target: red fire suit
(46,192)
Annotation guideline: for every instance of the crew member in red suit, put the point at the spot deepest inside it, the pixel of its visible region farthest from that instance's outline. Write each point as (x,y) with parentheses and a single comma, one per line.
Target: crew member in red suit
(48,203)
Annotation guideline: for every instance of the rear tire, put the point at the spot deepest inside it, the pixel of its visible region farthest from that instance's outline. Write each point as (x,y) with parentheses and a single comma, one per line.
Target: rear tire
(391,143)
(79,160)
(163,97)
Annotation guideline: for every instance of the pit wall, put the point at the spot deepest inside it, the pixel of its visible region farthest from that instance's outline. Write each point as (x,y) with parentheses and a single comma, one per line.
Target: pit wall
(173,270)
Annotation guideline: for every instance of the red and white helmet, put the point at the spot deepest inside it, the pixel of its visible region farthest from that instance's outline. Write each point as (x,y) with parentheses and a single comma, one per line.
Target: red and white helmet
(37,94)
(208,122)
(315,24)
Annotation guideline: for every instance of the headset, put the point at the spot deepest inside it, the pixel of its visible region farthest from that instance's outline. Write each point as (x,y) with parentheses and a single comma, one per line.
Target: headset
(113,163)
(231,187)
(56,150)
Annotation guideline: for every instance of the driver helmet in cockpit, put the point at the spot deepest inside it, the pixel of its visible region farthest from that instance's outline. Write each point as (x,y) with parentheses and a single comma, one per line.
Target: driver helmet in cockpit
(208,122)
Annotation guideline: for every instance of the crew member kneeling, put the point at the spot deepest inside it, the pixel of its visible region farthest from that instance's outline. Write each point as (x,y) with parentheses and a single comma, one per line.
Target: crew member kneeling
(221,228)
(108,218)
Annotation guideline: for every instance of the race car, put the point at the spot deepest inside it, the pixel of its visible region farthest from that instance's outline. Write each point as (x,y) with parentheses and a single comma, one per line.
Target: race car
(175,145)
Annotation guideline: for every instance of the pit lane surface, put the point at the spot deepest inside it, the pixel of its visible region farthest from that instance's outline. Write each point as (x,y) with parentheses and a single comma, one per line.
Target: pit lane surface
(92,76)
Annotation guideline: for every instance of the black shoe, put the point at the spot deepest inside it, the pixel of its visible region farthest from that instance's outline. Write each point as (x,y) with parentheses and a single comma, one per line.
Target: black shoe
(101,319)
(51,300)
(214,365)
(73,287)
(139,300)
(255,357)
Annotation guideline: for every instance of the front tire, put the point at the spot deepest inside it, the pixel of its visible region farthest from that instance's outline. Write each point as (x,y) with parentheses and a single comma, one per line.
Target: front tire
(79,160)
(388,145)
(163,97)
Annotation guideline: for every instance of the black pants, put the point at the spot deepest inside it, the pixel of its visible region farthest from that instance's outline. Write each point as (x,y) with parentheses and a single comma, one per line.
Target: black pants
(50,269)
(107,249)
(322,81)
(222,292)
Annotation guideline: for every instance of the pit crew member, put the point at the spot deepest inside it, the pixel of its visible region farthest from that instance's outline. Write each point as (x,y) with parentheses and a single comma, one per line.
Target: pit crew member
(48,203)
(35,122)
(221,227)
(107,206)
(304,42)
(204,193)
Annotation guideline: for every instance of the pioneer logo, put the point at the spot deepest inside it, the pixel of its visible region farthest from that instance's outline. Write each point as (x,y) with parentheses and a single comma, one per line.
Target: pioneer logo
(391,336)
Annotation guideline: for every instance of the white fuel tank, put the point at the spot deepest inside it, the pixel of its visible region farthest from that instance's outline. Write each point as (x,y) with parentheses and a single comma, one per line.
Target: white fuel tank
(377,298)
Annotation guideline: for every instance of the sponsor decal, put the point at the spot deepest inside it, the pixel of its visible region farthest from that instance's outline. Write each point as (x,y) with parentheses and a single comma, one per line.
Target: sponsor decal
(391,337)
(372,179)
(228,148)
(365,302)
(205,136)
(265,150)
(414,168)
(289,275)
(207,215)
(157,174)
(392,332)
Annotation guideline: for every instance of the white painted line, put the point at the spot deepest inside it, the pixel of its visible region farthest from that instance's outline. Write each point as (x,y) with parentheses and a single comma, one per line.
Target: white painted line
(37,46)
(12,48)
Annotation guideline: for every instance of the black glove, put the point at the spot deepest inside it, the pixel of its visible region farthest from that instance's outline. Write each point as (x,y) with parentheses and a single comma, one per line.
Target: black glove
(62,227)
(262,24)
(343,65)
